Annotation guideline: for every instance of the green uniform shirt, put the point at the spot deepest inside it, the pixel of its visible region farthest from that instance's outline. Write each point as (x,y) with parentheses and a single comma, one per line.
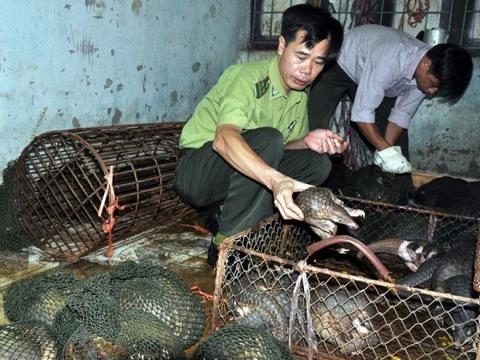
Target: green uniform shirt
(249,96)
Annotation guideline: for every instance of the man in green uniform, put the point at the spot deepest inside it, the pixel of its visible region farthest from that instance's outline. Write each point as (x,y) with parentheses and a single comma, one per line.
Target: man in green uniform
(247,147)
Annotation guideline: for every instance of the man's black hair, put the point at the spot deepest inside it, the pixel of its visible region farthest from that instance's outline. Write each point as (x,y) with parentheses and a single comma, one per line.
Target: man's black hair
(453,67)
(318,24)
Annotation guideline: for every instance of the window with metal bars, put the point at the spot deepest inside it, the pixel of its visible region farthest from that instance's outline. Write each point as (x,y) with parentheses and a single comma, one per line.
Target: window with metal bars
(460,18)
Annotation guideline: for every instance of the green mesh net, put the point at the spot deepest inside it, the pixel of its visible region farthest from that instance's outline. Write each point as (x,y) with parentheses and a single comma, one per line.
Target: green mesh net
(27,340)
(91,307)
(158,291)
(39,297)
(12,236)
(241,342)
(137,311)
(84,344)
(142,336)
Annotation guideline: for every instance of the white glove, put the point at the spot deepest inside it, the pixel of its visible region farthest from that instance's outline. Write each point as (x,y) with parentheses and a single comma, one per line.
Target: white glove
(391,160)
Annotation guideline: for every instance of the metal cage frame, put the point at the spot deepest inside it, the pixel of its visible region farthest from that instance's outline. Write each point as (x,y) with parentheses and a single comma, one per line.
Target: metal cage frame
(61,180)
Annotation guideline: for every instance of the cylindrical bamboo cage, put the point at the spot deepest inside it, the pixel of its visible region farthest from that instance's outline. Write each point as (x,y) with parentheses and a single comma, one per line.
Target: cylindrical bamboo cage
(61,180)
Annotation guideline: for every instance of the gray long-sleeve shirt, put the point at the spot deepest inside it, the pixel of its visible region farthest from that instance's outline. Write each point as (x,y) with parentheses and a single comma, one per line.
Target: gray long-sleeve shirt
(382,61)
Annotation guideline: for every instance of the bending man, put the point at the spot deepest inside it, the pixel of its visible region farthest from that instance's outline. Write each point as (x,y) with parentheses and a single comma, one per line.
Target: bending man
(387,73)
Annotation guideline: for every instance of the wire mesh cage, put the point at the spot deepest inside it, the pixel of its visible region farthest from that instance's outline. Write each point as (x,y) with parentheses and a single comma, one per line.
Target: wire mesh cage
(61,180)
(330,304)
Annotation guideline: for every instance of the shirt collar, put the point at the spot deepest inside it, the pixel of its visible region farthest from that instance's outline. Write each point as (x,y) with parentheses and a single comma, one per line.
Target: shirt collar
(414,61)
(277,90)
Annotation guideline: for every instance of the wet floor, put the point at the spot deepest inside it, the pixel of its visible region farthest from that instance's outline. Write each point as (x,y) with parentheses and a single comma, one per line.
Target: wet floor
(180,248)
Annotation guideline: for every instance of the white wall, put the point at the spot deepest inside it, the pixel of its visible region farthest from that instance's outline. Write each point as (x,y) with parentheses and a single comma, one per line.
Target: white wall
(69,64)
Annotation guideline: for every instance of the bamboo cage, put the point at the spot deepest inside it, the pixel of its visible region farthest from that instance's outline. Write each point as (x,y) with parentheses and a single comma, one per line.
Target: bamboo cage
(61,180)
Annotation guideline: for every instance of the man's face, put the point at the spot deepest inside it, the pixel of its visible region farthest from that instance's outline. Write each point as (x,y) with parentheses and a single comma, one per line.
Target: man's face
(298,65)
(426,81)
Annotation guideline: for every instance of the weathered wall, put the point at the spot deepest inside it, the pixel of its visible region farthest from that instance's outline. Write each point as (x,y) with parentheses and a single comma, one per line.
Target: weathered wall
(446,139)
(67,64)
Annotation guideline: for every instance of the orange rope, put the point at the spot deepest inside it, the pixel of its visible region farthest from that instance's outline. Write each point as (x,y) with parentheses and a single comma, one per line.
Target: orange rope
(198,228)
(416,11)
(109,223)
(197,290)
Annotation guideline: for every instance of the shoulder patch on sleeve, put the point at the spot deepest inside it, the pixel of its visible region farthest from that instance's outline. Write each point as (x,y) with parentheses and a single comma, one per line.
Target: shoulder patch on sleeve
(261,87)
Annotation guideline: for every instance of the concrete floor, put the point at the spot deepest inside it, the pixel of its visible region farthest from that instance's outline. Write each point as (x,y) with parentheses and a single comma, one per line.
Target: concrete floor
(179,248)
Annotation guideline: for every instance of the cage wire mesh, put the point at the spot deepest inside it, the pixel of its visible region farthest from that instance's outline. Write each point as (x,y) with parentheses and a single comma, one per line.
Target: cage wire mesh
(333,306)
(60,183)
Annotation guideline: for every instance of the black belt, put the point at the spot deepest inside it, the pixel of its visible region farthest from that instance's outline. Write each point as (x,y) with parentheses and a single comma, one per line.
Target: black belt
(185,151)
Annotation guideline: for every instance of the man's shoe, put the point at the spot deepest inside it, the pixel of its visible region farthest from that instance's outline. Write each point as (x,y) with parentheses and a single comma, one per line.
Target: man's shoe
(212,256)
(213,219)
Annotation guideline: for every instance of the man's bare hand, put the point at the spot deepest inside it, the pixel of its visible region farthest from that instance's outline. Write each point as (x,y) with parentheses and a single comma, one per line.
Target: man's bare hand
(325,141)
(283,188)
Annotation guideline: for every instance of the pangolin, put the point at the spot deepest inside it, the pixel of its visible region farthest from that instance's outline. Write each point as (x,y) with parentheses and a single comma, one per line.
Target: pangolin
(322,209)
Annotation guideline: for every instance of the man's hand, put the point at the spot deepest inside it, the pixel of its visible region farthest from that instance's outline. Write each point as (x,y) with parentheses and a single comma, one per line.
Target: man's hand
(325,141)
(391,160)
(231,146)
(283,188)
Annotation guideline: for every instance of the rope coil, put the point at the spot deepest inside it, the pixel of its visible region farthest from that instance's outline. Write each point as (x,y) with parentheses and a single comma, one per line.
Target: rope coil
(109,223)
(416,10)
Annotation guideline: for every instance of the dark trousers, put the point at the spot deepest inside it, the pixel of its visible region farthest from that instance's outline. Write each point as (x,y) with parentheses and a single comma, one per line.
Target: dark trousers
(204,179)
(327,91)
